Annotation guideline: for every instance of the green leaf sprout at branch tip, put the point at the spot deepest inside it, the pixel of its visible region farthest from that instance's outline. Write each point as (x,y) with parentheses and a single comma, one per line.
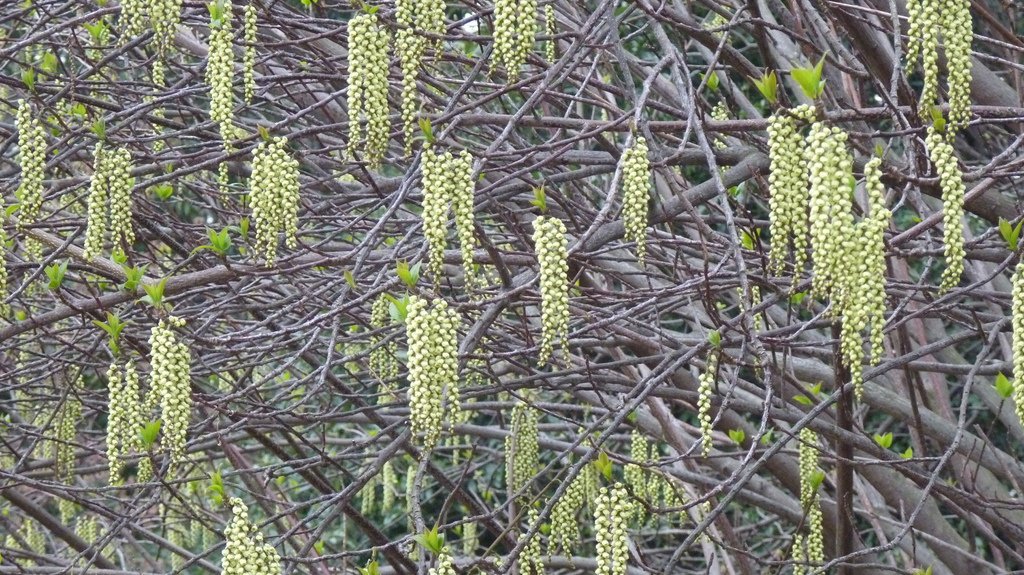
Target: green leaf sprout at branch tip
(55,273)
(810,80)
(155,293)
(1010,233)
(768,85)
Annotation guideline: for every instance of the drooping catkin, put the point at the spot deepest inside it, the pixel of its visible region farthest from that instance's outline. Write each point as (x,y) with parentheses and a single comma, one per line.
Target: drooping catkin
(831,206)
(433,366)
(943,157)
(1017,324)
(461,172)
(245,552)
(611,521)
(529,561)
(635,474)
(522,450)
(565,525)
(551,248)
(125,417)
(950,20)
(445,563)
(66,422)
(110,202)
(636,186)
(249,30)
(863,307)
(704,393)
(515,29)
(447,180)
(550,29)
(383,356)
(788,187)
(416,19)
(274,197)
(171,381)
(220,71)
(32,161)
(810,499)
(368,87)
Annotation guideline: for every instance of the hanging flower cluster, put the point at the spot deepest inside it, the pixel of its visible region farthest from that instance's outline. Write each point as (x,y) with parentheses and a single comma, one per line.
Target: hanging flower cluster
(5,308)
(515,28)
(445,563)
(368,86)
(415,19)
(165,15)
(410,488)
(720,113)
(368,496)
(249,59)
(125,417)
(951,181)
(220,70)
(1017,324)
(433,366)
(849,256)
(522,452)
(831,205)
(952,19)
(389,482)
(591,483)
(245,553)
(65,422)
(32,160)
(460,169)
(636,186)
(529,561)
(864,304)
(134,18)
(611,519)
(755,300)
(34,539)
(635,474)
(110,194)
(552,253)
(704,392)
(550,29)
(787,181)
(957,34)
(87,528)
(383,356)
(171,381)
(448,179)
(810,500)
(274,197)
(565,525)
(470,538)
(673,498)
(162,16)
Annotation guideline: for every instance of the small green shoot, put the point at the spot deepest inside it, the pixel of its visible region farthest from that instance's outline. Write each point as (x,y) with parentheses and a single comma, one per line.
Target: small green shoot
(1003,385)
(884,440)
(155,293)
(55,273)
(1010,233)
(149,432)
(737,436)
(810,79)
(113,326)
(768,85)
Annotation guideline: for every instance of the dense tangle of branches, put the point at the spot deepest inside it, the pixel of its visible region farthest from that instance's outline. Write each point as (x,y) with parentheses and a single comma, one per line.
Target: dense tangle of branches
(287,414)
